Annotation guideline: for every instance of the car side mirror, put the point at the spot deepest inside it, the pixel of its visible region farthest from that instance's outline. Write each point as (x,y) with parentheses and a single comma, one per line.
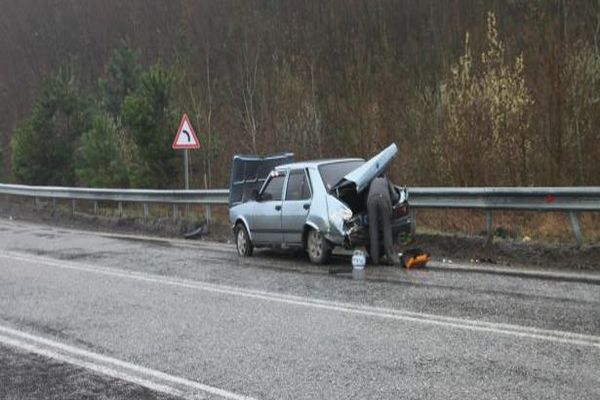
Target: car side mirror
(254,195)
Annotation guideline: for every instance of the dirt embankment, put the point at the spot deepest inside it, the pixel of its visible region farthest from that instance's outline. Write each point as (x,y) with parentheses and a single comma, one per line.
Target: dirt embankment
(160,223)
(452,247)
(508,252)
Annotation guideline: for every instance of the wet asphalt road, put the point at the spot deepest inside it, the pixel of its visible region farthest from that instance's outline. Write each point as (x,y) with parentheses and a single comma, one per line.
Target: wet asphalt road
(27,375)
(275,327)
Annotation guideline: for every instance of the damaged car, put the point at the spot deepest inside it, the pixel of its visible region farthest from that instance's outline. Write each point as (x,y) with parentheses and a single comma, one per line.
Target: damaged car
(313,205)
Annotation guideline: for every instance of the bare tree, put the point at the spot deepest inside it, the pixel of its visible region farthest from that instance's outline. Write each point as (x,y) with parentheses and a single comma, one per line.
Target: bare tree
(248,64)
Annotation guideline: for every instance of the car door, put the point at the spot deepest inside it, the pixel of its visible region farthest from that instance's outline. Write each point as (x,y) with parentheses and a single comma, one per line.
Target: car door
(295,206)
(266,221)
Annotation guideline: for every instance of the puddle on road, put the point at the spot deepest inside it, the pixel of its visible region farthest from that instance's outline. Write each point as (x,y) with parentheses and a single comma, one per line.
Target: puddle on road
(151,242)
(45,235)
(83,256)
(67,254)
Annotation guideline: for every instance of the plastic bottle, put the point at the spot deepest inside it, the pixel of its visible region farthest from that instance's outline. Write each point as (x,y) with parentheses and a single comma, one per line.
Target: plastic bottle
(359,260)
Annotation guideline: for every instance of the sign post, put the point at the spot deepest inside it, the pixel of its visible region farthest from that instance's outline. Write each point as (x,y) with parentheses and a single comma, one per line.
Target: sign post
(186,139)
(186,168)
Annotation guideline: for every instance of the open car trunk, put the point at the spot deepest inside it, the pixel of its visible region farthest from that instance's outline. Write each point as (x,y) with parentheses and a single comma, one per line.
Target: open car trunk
(357,202)
(357,228)
(351,189)
(361,177)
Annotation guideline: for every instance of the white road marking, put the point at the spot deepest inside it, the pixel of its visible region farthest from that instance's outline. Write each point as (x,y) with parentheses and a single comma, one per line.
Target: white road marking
(349,308)
(147,377)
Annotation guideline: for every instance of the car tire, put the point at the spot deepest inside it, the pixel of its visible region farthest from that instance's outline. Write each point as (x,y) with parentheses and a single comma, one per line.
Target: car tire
(242,241)
(318,248)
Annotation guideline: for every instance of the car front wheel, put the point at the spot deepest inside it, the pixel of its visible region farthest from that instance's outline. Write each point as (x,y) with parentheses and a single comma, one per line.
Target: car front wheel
(242,241)
(319,249)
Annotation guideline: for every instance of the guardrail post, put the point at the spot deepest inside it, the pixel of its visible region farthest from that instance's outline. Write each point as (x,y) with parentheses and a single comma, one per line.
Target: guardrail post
(95,207)
(174,212)
(120,209)
(576,228)
(489,226)
(36,201)
(413,222)
(146,211)
(73,206)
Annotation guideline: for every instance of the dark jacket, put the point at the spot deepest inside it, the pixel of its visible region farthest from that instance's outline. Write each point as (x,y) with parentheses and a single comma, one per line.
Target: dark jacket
(383,187)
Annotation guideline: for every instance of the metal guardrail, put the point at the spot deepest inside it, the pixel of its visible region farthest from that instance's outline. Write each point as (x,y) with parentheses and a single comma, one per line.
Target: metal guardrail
(508,198)
(211,196)
(569,199)
(144,196)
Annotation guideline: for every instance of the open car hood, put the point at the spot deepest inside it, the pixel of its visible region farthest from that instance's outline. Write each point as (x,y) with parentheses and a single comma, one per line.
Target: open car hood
(363,175)
(249,172)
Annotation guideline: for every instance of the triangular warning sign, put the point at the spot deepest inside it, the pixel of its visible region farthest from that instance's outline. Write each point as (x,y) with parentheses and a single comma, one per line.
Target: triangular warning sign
(186,137)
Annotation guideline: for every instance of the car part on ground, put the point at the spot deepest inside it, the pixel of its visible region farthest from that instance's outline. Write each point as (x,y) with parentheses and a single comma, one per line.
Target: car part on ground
(413,258)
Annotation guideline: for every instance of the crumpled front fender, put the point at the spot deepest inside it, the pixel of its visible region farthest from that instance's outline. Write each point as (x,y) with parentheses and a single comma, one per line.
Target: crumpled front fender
(338,214)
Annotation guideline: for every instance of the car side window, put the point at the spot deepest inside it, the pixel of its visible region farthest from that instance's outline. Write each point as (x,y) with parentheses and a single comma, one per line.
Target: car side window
(273,190)
(298,187)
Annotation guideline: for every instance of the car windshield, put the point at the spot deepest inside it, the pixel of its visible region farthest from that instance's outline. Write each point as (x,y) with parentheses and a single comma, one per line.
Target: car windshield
(333,173)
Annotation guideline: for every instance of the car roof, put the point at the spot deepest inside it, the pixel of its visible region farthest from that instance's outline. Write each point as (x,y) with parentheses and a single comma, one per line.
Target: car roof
(315,163)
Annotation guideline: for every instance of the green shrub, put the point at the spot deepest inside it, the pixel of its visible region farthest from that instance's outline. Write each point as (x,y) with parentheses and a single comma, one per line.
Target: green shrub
(43,145)
(100,163)
(149,118)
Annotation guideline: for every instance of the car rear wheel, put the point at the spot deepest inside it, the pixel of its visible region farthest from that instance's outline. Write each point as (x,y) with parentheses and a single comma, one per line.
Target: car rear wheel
(319,249)
(242,241)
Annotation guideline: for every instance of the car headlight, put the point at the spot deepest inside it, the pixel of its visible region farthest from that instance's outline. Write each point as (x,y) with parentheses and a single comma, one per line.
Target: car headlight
(346,214)
(403,195)
(339,216)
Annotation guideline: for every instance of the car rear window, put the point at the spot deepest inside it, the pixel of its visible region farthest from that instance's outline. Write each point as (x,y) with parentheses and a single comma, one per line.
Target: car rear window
(333,173)
(297,187)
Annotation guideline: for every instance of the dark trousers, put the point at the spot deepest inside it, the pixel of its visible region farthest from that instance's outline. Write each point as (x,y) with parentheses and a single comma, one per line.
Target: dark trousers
(379,210)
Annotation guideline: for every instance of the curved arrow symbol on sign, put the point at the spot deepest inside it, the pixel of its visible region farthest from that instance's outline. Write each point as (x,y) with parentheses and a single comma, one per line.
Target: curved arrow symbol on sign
(189,138)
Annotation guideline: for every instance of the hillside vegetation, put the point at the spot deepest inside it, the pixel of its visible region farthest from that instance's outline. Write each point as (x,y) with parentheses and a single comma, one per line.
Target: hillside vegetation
(498,92)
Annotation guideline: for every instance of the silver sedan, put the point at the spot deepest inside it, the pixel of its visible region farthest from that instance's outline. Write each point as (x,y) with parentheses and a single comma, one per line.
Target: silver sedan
(314,205)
